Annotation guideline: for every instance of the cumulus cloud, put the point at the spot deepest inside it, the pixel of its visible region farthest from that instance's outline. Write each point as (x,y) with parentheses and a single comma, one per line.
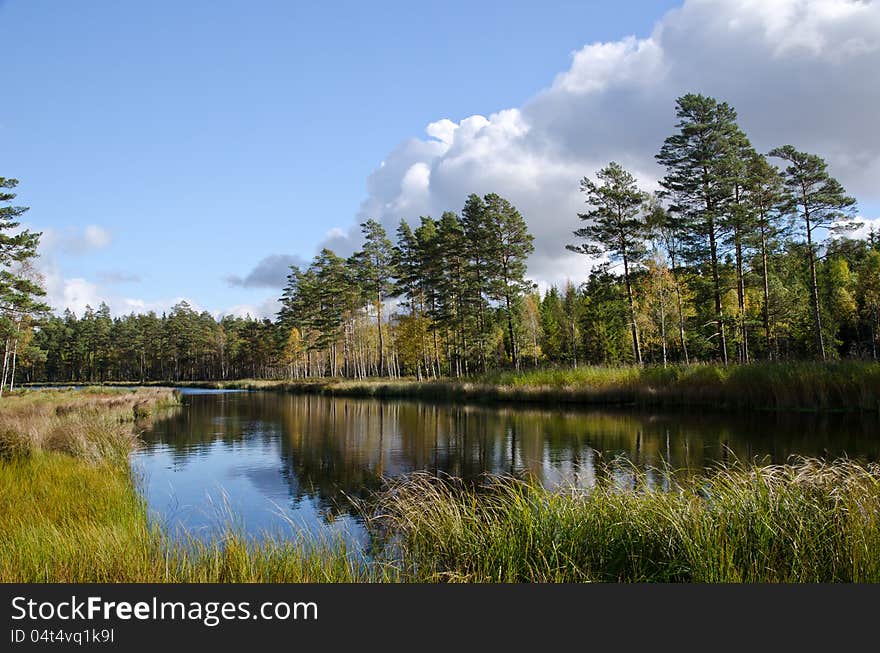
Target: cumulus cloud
(78,293)
(266,309)
(867,226)
(269,272)
(797,71)
(76,241)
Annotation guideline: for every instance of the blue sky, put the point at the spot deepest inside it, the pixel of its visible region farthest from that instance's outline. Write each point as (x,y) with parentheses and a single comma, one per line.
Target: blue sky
(168,146)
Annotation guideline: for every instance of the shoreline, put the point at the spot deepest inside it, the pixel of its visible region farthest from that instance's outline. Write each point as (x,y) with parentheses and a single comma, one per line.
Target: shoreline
(844,386)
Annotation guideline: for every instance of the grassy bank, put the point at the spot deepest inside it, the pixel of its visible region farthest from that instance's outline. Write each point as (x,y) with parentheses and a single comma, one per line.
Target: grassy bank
(809,522)
(790,386)
(91,424)
(66,520)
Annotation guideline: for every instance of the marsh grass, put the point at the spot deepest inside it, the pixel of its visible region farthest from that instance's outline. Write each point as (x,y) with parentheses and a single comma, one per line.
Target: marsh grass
(783,386)
(810,521)
(68,520)
(92,424)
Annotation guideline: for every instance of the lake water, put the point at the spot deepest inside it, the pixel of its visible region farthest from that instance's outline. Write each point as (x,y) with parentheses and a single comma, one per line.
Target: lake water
(276,462)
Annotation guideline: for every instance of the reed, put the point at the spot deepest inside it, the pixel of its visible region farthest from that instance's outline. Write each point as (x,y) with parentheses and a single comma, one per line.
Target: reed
(810,521)
(94,424)
(780,386)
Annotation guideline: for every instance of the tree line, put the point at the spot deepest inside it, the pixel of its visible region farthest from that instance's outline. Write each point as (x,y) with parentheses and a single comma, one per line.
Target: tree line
(735,258)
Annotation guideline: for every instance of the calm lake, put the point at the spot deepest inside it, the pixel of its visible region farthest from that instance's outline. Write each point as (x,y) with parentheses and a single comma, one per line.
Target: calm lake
(276,462)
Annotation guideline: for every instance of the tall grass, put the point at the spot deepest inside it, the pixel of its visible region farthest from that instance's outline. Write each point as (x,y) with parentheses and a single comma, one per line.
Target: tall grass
(806,522)
(778,386)
(785,386)
(93,424)
(67,520)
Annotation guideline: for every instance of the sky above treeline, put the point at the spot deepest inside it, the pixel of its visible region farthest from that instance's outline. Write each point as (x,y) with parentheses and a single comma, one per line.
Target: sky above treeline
(195,150)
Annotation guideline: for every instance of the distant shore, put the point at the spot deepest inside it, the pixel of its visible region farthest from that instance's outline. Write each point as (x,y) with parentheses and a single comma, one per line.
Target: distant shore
(787,386)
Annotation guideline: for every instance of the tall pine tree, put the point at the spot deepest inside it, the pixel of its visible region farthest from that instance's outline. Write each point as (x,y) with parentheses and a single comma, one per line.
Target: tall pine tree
(616,227)
(820,203)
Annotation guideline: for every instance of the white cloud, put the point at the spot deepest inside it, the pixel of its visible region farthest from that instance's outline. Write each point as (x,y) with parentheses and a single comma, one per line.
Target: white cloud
(798,71)
(76,294)
(867,226)
(75,241)
(96,237)
(268,308)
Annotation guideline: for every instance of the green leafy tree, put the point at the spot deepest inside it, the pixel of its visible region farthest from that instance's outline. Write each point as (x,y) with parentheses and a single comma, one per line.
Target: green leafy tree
(869,291)
(667,232)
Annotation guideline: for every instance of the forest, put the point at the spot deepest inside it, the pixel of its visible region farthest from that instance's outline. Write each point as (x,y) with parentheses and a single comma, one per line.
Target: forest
(738,257)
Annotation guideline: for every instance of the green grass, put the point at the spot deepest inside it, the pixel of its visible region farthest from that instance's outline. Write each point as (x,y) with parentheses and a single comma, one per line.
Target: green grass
(808,522)
(67,520)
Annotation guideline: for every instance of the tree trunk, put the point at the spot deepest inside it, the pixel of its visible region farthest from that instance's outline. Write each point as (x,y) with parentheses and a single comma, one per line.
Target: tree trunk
(741,301)
(637,349)
(874,335)
(814,286)
(381,338)
(5,366)
(510,333)
(663,323)
(765,275)
(681,334)
(12,375)
(719,313)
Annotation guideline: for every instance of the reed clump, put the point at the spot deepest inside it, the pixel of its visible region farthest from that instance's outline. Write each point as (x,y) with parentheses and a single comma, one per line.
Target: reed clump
(810,521)
(92,424)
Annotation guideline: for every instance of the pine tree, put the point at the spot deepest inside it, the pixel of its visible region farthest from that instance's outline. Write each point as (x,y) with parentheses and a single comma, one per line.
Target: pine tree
(480,252)
(699,182)
(739,222)
(19,291)
(820,202)
(511,245)
(765,195)
(375,268)
(453,287)
(616,227)
(431,266)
